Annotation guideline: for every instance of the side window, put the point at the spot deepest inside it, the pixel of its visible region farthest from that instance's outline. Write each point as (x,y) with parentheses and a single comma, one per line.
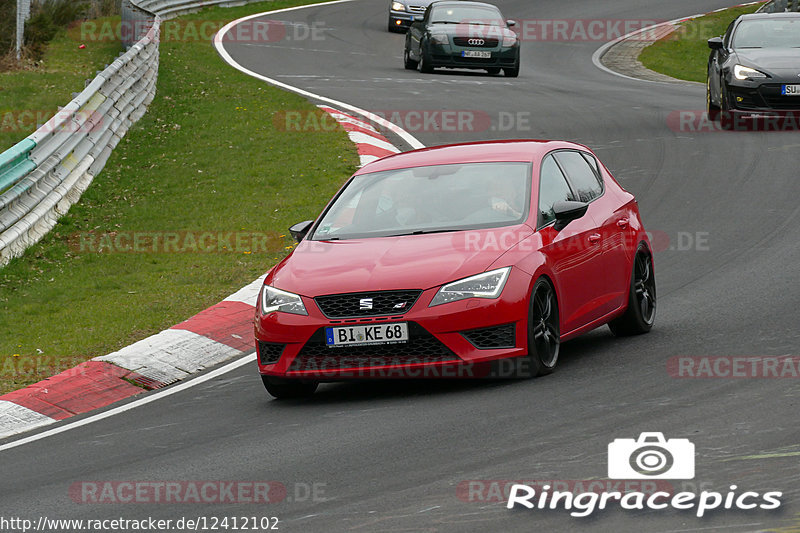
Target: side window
(582,176)
(553,188)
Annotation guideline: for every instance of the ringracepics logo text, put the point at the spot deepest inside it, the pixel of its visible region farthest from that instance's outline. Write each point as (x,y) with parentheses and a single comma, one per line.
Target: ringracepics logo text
(650,456)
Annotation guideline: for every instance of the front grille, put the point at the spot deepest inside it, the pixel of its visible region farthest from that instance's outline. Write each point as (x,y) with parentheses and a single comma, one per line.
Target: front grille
(269,352)
(422,347)
(417,9)
(492,337)
(771,93)
(488,42)
(363,304)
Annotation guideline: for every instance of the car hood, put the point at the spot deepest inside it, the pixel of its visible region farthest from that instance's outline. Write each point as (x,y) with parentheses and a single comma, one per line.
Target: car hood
(780,61)
(384,263)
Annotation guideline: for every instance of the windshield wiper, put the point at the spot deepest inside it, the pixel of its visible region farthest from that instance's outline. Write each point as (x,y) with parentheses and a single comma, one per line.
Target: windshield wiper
(444,22)
(424,232)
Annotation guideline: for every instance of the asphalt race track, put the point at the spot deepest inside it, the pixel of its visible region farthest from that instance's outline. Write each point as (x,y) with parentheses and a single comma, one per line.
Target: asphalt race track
(396,456)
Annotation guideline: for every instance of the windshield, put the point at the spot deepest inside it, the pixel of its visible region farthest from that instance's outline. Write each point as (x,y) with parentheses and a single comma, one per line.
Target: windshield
(429,200)
(466,15)
(773,33)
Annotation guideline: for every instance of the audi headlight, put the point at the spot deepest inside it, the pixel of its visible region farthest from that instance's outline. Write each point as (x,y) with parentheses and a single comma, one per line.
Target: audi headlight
(273,299)
(439,38)
(487,285)
(746,73)
(509,39)
(398,6)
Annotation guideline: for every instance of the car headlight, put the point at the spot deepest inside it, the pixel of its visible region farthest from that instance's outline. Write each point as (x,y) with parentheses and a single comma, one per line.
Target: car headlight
(439,38)
(273,299)
(744,73)
(487,285)
(398,6)
(509,39)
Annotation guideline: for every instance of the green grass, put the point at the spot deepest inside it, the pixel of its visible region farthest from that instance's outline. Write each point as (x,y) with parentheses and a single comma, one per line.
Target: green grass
(31,96)
(206,157)
(684,53)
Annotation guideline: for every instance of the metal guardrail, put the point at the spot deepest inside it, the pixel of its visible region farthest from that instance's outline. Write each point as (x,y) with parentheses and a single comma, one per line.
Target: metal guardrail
(43,175)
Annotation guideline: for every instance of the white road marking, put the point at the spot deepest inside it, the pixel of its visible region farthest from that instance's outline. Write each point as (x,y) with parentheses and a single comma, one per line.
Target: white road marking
(163,393)
(218,43)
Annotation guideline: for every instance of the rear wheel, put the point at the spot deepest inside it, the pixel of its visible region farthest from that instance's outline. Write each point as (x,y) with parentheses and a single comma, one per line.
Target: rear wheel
(641,312)
(544,337)
(286,388)
(409,63)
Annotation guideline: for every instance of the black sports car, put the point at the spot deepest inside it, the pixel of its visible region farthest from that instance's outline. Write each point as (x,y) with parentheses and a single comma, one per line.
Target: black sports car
(754,69)
(457,34)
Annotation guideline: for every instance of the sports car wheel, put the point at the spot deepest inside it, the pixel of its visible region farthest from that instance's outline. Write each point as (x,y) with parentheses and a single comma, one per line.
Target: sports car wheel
(424,64)
(511,72)
(641,312)
(711,108)
(544,337)
(493,71)
(280,388)
(409,63)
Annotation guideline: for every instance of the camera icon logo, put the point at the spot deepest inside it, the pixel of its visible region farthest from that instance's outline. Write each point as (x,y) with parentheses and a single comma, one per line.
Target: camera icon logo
(651,457)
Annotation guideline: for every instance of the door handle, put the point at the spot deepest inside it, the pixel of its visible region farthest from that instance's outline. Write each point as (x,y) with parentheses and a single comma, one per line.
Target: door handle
(594,238)
(622,223)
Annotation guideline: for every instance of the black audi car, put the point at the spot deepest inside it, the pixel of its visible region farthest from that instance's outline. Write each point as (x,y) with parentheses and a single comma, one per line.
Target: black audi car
(458,34)
(754,69)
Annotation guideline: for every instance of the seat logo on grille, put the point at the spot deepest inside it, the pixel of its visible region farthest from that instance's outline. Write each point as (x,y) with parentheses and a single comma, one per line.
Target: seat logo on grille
(365,304)
(476,42)
(401,305)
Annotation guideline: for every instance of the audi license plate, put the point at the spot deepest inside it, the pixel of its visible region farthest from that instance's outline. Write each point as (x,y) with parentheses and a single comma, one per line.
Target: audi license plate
(479,54)
(790,90)
(366,335)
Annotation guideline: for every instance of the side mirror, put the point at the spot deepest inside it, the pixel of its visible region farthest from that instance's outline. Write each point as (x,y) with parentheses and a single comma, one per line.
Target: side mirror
(300,229)
(511,23)
(715,43)
(568,211)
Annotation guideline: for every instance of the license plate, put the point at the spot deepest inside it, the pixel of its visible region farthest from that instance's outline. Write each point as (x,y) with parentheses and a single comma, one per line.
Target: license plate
(480,54)
(367,334)
(790,90)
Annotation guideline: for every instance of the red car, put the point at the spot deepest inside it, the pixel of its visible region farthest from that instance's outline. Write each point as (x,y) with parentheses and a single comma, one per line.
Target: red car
(446,261)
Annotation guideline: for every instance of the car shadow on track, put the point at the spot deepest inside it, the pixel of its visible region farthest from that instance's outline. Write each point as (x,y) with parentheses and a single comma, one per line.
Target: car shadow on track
(580,356)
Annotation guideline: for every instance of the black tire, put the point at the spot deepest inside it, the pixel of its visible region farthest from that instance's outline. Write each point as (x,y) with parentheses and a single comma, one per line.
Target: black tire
(641,312)
(711,107)
(409,63)
(424,64)
(289,388)
(511,72)
(544,337)
(493,71)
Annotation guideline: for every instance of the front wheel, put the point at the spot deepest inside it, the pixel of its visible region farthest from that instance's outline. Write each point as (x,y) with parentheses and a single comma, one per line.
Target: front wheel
(288,388)
(544,337)
(493,70)
(641,312)
(711,107)
(511,72)
(424,64)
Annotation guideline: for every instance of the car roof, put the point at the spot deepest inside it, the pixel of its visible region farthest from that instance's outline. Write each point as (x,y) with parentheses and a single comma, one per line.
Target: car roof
(781,15)
(527,150)
(462,3)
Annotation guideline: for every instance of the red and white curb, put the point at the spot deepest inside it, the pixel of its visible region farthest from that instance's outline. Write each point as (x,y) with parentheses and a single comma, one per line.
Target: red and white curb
(221,332)
(370,143)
